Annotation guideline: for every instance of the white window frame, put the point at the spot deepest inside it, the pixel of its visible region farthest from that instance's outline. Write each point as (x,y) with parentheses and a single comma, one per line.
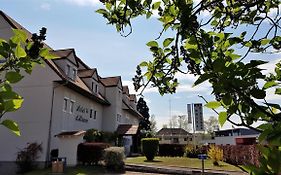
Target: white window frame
(65,104)
(71,107)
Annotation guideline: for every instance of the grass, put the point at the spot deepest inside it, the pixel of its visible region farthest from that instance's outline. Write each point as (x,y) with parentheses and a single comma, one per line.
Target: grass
(182,162)
(78,170)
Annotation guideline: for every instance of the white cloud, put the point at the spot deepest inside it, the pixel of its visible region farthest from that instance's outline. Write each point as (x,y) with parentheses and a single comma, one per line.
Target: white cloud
(269,67)
(45,6)
(83,2)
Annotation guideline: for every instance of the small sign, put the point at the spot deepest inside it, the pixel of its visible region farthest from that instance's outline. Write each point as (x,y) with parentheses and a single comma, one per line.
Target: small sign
(202,156)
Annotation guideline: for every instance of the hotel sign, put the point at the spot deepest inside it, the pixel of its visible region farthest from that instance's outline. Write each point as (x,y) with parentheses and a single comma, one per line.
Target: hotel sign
(81,112)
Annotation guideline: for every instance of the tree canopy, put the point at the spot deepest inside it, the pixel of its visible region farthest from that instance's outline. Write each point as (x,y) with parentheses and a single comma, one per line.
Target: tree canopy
(144,111)
(214,40)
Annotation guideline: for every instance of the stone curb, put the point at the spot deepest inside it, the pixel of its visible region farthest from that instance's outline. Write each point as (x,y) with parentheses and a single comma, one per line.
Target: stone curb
(163,170)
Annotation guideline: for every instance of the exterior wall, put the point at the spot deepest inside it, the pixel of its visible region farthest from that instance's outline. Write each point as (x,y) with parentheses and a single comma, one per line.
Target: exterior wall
(230,140)
(68,149)
(78,120)
(5,29)
(114,96)
(34,115)
(128,118)
(171,139)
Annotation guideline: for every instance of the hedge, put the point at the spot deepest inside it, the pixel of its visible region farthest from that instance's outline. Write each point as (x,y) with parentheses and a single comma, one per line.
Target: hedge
(173,150)
(91,153)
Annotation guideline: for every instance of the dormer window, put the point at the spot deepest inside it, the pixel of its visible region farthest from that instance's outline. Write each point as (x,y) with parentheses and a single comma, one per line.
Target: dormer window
(96,88)
(67,71)
(74,73)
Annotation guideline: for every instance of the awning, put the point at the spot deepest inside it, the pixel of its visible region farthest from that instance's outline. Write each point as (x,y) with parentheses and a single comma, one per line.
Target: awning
(70,133)
(127,129)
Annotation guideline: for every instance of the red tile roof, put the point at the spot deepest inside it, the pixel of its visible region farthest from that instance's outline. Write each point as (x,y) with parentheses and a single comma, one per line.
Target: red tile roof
(110,81)
(70,133)
(86,73)
(127,129)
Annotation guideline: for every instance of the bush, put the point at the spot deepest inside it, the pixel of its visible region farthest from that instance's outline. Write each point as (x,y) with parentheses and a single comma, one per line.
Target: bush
(216,154)
(192,151)
(150,147)
(92,135)
(114,158)
(27,156)
(241,154)
(172,150)
(90,153)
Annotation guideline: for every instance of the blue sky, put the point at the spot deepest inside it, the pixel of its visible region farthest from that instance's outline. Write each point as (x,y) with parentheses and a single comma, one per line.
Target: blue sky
(74,24)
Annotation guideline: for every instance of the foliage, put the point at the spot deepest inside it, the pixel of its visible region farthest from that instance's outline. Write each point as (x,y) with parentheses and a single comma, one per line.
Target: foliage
(211,125)
(217,48)
(192,151)
(143,109)
(18,55)
(150,147)
(26,157)
(153,127)
(215,153)
(90,153)
(269,161)
(173,150)
(92,135)
(179,121)
(241,154)
(114,158)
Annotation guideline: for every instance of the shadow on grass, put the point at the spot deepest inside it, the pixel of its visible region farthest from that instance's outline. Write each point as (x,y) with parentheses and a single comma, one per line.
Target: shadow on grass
(153,161)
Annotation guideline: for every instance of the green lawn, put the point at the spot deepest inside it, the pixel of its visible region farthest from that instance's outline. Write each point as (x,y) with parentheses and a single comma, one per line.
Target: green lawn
(181,162)
(78,170)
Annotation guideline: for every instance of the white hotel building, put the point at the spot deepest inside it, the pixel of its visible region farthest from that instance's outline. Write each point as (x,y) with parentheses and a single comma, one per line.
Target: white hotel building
(61,101)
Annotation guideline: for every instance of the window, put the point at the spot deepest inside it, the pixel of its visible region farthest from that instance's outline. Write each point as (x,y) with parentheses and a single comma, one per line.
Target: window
(118,119)
(67,70)
(95,114)
(93,86)
(74,74)
(175,140)
(185,139)
(65,104)
(72,106)
(96,88)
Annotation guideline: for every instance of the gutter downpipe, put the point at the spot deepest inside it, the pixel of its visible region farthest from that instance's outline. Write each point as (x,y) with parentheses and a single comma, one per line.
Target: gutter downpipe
(50,123)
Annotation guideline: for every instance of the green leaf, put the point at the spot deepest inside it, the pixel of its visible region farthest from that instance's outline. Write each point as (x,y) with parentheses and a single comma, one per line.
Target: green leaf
(213,104)
(222,117)
(167,42)
(265,41)
(19,36)
(13,77)
(269,84)
(143,64)
(152,44)
(46,54)
(278,91)
(12,105)
(11,125)
(156,5)
(201,79)
(20,52)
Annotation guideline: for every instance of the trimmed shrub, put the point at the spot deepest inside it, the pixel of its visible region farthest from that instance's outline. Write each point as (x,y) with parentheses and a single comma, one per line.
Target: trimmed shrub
(192,151)
(150,147)
(215,154)
(173,150)
(27,156)
(114,158)
(90,153)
